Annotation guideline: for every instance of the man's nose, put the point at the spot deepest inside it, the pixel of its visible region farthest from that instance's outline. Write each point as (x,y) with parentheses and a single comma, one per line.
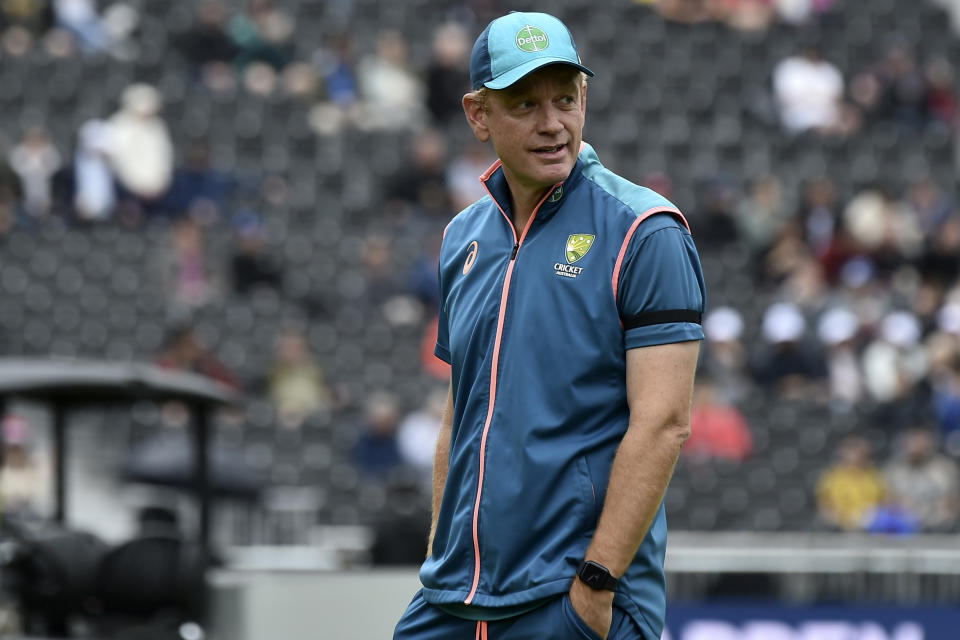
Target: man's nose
(549,121)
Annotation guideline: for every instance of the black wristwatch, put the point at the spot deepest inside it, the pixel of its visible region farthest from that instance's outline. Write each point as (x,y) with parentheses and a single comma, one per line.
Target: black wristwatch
(596,576)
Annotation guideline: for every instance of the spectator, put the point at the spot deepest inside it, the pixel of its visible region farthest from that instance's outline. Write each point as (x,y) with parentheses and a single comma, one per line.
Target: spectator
(939,262)
(80,18)
(788,253)
(188,278)
(943,354)
(296,383)
(800,12)
(924,482)
(122,21)
(423,274)
(859,289)
(838,330)
(25,474)
(805,285)
(718,430)
(930,206)
(431,364)
(376,452)
(33,15)
(300,82)
(10,191)
(462,183)
(716,215)
(787,365)
(903,89)
(943,103)
(819,213)
(952,7)
(724,358)
(142,155)
(879,225)
(761,215)
(894,362)
(206,45)
(685,11)
(16,42)
(95,194)
(658,181)
(419,188)
(337,64)
(747,15)
(183,351)
(35,161)
(260,79)
(809,92)
(392,93)
(262,34)
(251,267)
(891,518)
(417,435)
(60,44)
(341,107)
(448,73)
(199,190)
(380,274)
(849,490)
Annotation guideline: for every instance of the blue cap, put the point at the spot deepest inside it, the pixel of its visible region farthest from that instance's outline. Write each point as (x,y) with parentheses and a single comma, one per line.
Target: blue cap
(516,44)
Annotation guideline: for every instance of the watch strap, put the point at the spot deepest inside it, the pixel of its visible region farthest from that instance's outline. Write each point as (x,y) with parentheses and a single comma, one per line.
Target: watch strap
(596,576)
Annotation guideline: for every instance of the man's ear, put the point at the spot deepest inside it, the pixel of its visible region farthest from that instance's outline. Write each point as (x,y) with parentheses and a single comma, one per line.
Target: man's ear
(476,113)
(583,94)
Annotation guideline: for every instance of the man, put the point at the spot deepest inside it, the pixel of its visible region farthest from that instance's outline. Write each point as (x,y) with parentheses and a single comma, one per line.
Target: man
(571,305)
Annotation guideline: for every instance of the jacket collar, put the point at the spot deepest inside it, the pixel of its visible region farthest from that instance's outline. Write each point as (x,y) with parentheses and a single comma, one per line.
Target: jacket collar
(496,184)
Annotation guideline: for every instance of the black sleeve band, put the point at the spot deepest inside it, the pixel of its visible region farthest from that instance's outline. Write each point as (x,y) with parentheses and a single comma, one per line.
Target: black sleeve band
(662,317)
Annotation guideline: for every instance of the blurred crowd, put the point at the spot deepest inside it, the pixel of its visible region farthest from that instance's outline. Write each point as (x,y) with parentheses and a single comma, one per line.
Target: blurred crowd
(852,297)
(743,15)
(812,95)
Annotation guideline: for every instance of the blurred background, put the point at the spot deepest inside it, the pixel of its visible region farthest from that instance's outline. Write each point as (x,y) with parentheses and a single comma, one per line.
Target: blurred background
(255,191)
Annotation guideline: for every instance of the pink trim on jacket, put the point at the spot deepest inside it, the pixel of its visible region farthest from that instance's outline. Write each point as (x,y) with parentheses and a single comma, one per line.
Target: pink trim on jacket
(633,228)
(504,295)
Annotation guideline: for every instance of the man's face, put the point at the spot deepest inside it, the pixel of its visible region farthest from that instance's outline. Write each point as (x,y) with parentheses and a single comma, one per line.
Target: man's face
(536,126)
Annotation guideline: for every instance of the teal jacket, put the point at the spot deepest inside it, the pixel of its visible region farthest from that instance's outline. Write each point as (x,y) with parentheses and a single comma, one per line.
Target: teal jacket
(536,329)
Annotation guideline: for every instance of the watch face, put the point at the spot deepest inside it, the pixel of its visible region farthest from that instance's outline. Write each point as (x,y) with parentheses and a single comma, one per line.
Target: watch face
(593,576)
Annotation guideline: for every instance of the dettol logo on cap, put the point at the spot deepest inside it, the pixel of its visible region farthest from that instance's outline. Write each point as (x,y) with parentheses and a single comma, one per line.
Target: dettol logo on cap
(532,39)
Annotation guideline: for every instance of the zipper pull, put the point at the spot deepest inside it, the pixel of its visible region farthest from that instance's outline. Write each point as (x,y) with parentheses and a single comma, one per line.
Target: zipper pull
(516,247)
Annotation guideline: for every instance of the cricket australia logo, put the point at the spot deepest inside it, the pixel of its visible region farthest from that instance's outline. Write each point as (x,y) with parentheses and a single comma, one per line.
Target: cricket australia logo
(578,245)
(532,39)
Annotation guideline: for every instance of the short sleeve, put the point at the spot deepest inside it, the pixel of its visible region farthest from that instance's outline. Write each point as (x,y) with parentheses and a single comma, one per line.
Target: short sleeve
(661,294)
(442,350)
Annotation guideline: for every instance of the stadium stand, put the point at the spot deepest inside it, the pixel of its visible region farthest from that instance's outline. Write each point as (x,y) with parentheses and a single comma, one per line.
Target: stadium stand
(693,102)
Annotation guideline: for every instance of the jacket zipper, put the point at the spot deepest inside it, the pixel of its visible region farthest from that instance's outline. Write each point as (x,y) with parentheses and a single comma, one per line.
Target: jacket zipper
(494,366)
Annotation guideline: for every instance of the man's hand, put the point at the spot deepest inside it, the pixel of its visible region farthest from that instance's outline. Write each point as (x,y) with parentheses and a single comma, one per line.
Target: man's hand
(594,607)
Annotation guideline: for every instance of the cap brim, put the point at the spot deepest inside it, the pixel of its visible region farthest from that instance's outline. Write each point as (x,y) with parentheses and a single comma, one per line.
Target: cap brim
(515,74)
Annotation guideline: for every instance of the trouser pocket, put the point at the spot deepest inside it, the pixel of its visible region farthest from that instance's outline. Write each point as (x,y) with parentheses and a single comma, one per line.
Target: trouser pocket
(575,622)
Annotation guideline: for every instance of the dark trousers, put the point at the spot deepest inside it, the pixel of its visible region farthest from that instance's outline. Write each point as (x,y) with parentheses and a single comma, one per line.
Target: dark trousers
(555,620)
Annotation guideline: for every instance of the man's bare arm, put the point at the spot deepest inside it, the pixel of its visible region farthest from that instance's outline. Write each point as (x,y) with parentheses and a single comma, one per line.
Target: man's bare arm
(441,463)
(659,390)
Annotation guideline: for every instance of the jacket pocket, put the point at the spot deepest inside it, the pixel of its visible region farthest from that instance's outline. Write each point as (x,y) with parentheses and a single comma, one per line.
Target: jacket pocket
(589,490)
